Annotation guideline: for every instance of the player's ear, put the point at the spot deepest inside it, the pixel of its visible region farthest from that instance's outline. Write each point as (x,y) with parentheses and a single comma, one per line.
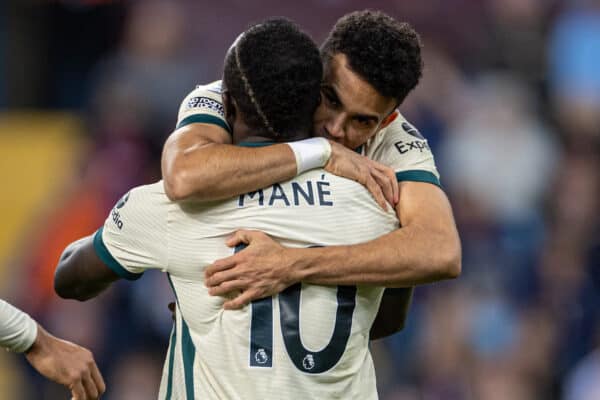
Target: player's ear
(389,119)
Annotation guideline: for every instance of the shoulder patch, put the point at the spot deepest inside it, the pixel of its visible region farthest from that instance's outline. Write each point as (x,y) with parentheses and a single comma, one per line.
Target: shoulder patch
(411,130)
(207,103)
(123,200)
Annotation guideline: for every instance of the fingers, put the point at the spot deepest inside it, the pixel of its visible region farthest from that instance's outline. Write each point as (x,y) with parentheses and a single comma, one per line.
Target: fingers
(236,239)
(218,266)
(98,380)
(385,184)
(90,387)
(218,278)
(391,175)
(77,391)
(243,236)
(227,287)
(242,300)
(375,189)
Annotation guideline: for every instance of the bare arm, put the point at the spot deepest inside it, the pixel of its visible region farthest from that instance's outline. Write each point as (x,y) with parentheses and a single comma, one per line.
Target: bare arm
(199,162)
(425,249)
(392,313)
(80,274)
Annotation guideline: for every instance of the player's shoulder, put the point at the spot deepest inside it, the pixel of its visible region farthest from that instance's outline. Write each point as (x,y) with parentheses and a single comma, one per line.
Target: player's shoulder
(400,128)
(402,147)
(401,136)
(145,194)
(203,104)
(207,96)
(212,89)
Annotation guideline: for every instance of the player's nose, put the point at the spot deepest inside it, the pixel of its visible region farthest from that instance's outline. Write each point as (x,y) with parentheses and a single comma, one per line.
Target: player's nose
(335,127)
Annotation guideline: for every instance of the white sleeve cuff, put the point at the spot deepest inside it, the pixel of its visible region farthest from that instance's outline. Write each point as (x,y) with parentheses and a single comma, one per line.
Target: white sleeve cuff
(18,330)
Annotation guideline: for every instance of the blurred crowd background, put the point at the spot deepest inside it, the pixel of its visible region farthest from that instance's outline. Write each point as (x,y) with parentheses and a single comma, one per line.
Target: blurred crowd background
(510,104)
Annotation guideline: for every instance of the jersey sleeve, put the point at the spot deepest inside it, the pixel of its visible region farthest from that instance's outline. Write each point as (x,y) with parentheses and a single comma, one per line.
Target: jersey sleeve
(18,330)
(401,147)
(134,236)
(203,105)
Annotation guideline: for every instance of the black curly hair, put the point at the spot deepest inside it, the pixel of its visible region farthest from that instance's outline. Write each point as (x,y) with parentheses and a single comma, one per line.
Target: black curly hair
(384,52)
(274,72)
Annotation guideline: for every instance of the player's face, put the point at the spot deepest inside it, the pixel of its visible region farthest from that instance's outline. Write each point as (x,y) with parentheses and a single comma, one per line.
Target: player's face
(351,110)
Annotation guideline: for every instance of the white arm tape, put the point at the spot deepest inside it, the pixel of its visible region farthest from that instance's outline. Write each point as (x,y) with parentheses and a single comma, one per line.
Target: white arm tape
(18,330)
(310,153)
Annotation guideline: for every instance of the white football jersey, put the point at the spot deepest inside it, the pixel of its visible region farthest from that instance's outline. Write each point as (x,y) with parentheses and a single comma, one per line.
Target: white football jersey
(309,342)
(400,145)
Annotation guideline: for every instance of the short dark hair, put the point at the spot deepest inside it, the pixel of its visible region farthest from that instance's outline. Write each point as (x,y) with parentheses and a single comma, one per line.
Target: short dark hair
(274,72)
(384,52)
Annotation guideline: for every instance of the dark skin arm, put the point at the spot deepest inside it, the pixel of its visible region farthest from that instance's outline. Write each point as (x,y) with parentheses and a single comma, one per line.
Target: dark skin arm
(80,273)
(392,313)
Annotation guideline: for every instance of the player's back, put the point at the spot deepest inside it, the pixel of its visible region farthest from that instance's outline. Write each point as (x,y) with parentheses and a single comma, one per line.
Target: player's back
(309,342)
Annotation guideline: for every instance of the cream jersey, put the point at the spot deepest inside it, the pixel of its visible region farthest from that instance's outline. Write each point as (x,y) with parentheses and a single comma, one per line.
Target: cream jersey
(400,145)
(308,342)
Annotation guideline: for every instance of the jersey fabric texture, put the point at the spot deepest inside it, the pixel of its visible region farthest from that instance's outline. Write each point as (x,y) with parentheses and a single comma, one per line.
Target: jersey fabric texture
(309,342)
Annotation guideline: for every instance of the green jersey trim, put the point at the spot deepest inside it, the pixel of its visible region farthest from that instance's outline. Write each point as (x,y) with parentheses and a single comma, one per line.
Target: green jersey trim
(171,360)
(204,119)
(418,176)
(188,351)
(109,260)
(255,144)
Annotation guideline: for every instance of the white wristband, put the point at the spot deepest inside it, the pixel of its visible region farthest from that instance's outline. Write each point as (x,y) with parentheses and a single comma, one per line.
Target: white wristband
(310,153)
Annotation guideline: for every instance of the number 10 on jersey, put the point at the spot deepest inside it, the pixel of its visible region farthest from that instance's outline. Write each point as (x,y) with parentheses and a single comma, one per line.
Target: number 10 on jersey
(312,362)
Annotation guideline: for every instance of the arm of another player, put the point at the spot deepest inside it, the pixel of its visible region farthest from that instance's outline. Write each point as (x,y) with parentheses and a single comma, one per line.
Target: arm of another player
(124,247)
(199,162)
(425,249)
(67,364)
(63,362)
(392,313)
(80,273)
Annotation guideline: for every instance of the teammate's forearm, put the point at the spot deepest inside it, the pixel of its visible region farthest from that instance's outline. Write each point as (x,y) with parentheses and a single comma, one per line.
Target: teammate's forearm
(405,257)
(219,171)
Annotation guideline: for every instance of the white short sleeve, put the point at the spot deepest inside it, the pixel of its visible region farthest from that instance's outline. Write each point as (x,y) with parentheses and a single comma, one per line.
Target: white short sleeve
(402,147)
(203,105)
(134,236)
(18,330)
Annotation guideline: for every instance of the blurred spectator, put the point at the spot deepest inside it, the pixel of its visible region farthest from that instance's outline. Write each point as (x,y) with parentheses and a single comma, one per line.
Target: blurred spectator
(137,91)
(500,156)
(574,62)
(137,375)
(517,32)
(583,383)
(497,161)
